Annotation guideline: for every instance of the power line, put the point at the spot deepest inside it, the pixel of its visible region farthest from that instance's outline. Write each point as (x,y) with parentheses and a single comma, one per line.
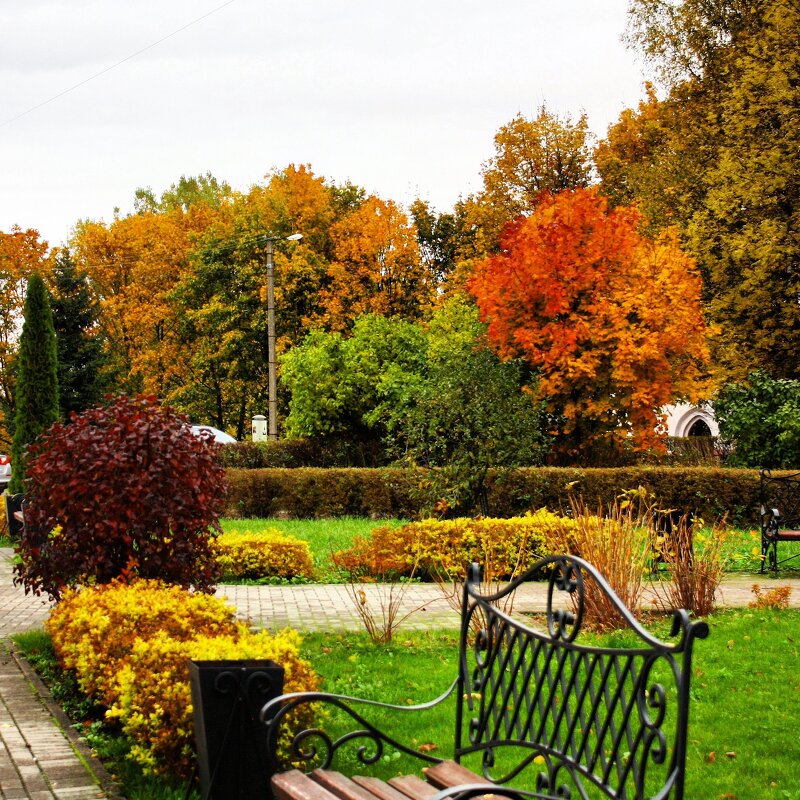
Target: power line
(117,64)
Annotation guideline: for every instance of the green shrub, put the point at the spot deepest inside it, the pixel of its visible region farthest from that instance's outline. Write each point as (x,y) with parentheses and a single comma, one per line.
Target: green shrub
(268,554)
(760,419)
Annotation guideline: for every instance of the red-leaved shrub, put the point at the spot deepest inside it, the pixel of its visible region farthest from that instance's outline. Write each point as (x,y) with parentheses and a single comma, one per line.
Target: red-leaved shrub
(122,491)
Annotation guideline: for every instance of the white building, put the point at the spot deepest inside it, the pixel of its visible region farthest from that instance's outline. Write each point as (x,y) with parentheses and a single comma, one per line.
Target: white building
(688,420)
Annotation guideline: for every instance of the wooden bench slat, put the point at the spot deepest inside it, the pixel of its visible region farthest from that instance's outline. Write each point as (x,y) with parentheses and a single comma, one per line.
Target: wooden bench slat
(448,774)
(342,786)
(294,785)
(789,536)
(379,789)
(413,786)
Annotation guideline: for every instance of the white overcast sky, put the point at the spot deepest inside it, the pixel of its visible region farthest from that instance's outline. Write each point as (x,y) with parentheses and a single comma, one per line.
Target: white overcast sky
(401,98)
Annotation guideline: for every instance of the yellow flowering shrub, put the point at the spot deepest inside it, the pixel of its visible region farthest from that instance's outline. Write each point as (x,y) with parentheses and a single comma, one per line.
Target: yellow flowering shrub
(262,555)
(129,645)
(503,547)
(94,629)
(154,704)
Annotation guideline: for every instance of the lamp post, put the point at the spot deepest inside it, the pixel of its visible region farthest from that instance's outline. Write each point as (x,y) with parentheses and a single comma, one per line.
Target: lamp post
(272,361)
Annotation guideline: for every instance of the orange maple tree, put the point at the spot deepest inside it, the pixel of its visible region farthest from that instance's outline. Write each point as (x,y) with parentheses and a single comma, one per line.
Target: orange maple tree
(610,318)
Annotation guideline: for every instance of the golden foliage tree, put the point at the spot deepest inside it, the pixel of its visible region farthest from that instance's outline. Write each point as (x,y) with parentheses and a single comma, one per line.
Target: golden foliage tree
(376,267)
(718,158)
(531,156)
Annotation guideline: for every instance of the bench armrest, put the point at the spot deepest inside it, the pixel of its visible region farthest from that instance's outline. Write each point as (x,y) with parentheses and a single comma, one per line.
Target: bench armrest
(315,749)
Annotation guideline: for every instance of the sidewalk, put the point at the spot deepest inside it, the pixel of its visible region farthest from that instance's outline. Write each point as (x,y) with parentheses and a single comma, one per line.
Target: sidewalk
(41,757)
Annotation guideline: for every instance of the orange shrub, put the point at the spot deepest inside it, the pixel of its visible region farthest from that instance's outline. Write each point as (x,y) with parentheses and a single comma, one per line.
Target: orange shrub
(262,555)
(777,598)
(502,546)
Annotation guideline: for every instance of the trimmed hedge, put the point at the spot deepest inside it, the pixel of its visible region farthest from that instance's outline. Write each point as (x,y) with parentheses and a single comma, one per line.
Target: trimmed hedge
(314,493)
(296,453)
(385,493)
(267,554)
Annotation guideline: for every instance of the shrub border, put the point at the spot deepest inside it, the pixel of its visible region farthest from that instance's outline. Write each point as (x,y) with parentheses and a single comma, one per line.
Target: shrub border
(710,492)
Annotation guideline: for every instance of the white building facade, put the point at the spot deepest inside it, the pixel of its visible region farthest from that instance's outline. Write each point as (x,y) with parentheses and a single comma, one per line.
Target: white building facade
(687,420)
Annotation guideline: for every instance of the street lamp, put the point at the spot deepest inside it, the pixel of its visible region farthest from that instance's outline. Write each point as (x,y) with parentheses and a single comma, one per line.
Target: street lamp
(272,361)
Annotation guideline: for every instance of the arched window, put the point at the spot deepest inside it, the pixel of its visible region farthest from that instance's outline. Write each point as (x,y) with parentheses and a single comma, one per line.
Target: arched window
(699,428)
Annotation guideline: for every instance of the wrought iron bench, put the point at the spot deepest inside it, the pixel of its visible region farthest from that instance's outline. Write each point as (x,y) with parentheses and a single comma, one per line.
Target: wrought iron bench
(780,516)
(547,712)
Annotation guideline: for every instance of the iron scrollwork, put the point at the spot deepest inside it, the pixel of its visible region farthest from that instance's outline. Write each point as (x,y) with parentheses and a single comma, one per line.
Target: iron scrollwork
(584,715)
(315,748)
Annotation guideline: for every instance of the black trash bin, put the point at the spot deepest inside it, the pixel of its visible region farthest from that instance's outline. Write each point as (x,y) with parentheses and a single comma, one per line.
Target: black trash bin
(227,696)
(13,505)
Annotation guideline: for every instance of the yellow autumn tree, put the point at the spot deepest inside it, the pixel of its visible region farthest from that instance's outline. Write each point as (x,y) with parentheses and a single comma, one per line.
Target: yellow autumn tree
(376,267)
(133,265)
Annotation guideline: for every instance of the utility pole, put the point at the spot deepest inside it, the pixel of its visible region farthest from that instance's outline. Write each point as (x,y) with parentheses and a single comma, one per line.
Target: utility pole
(272,359)
(272,425)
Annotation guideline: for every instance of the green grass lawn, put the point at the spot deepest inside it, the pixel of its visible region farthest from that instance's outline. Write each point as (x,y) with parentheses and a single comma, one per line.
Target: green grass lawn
(744,712)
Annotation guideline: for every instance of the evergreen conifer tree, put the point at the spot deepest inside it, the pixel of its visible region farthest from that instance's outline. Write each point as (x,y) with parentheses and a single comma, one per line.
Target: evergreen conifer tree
(80,350)
(37,377)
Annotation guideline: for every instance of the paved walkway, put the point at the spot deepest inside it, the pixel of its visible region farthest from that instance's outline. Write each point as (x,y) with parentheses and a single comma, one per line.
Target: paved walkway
(41,756)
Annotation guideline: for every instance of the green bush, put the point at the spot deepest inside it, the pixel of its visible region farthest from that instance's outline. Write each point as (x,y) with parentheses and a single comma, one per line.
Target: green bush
(760,420)
(379,493)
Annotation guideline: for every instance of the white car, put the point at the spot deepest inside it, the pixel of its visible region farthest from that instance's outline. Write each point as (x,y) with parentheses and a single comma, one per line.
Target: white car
(215,434)
(5,471)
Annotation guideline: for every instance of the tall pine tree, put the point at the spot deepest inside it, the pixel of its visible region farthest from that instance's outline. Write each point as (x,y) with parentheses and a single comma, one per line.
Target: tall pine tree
(81,358)
(37,377)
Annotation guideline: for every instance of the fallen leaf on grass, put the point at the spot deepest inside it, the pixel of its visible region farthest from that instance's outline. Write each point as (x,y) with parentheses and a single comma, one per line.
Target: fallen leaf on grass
(427,748)
(730,754)
(711,757)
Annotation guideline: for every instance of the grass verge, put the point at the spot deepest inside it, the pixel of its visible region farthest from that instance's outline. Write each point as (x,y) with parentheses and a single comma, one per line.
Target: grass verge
(741,553)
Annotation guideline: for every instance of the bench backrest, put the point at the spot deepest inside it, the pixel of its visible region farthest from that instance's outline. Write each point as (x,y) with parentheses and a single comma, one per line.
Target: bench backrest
(782,493)
(583,720)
